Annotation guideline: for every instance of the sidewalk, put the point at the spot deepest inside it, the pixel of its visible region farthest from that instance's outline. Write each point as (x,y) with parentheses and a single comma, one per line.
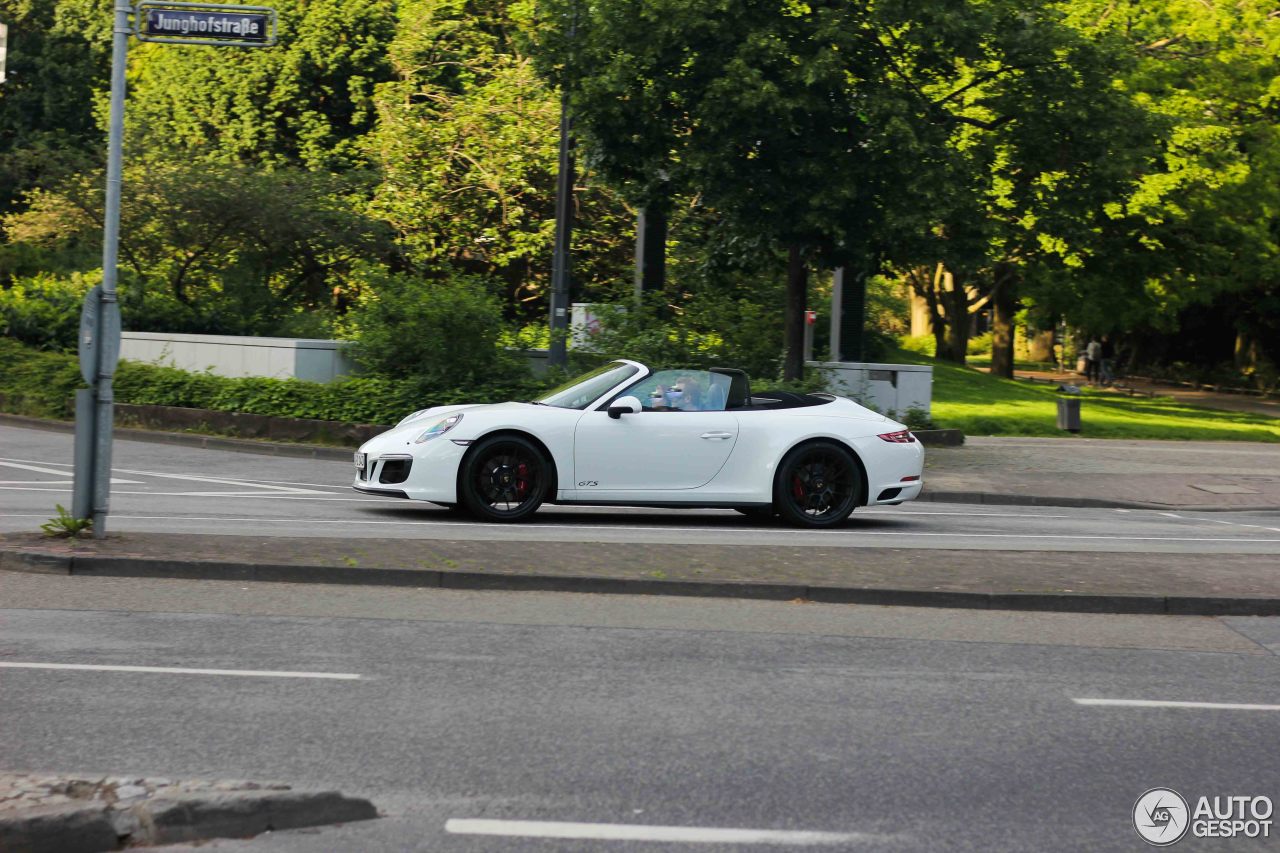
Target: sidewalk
(1065,581)
(1185,475)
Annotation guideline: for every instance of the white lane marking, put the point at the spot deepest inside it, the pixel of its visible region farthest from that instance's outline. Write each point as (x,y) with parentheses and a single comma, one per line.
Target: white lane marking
(37,483)
(1155,703)
(257,495)
(1239,524)
(642,832)
(177,670)
(58,472)
(642,527)
(221,481)
(893,512)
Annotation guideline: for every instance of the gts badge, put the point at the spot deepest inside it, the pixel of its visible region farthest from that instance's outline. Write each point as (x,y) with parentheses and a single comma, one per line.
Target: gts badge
(586,483)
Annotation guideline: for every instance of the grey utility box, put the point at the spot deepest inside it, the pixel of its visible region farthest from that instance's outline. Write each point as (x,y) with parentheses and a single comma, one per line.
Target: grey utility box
(1069,414)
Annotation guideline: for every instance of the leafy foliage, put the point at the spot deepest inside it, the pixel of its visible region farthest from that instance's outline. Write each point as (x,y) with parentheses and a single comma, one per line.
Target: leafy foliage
(66,525)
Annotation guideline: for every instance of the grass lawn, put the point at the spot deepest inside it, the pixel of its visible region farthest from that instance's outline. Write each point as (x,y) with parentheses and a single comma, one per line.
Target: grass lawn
(979,404)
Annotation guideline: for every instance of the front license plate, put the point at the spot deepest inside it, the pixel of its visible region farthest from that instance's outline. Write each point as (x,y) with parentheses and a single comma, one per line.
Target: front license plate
(361,458)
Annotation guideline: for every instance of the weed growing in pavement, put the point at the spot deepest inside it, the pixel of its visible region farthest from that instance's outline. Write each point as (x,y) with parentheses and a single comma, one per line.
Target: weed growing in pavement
(351,562)
(66,525)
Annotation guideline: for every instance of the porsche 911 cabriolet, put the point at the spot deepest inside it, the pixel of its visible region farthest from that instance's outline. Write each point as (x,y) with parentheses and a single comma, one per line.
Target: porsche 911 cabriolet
(624,434)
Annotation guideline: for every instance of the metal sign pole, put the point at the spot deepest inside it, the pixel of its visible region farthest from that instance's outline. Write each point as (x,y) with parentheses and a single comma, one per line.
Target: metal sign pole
(186,23)
(100,323)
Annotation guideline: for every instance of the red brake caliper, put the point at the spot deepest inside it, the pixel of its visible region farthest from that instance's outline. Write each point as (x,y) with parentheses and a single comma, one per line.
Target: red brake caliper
(522,483)
(797,487)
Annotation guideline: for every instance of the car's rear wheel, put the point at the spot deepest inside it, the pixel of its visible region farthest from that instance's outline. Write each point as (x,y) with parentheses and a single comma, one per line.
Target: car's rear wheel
(817,485)
(504,478)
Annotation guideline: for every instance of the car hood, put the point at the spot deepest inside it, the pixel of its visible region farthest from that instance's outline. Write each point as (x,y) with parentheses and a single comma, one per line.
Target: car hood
(416,422)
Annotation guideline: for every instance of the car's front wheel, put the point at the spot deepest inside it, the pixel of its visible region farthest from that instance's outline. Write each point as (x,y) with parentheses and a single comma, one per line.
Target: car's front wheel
(817,485)
(505,478)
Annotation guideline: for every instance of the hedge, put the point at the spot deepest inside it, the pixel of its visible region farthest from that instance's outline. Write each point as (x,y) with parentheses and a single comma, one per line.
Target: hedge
(43,384)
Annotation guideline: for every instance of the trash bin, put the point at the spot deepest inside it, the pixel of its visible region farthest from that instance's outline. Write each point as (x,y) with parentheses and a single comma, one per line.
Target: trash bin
(1069,414)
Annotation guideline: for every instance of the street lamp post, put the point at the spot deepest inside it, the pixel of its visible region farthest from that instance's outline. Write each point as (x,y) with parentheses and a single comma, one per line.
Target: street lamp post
(560,261)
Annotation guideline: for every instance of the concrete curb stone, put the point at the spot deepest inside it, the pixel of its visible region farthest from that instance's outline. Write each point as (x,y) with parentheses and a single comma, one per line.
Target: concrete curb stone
(1128,603)
(998,499)
(58,814)
(58,829)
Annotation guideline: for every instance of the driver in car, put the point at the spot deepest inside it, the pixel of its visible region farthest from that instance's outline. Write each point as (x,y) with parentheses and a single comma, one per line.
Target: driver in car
(685,395)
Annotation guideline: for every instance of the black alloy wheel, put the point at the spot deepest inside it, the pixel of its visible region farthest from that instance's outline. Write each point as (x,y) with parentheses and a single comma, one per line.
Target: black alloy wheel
(504,479)
(817,485)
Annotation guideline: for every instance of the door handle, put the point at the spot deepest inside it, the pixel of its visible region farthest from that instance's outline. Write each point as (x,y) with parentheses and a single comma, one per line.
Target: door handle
(714,435)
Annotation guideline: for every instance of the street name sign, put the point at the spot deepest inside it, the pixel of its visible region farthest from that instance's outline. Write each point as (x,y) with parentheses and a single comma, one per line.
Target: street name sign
(205,23)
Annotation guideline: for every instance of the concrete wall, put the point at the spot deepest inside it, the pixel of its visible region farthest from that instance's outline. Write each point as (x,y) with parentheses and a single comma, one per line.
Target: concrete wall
(233,355)
(888,387)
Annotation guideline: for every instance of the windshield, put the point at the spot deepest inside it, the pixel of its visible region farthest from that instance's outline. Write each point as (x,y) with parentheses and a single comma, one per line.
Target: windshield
(582,391)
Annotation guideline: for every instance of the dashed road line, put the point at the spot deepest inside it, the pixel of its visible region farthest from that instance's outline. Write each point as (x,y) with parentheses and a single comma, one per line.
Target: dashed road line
(643,832)
(179,670)
(1160,703)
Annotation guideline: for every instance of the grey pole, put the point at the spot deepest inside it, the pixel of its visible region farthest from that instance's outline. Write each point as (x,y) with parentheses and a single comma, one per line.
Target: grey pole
(558,357)
(837,311)
(107,340)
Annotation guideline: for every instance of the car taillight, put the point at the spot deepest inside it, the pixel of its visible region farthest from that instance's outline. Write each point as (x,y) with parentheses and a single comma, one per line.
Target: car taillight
(900,437)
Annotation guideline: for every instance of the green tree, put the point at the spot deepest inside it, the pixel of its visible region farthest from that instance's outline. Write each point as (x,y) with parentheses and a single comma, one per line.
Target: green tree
(1208,221)
(218,247)
(1050,143)
(307,101)
(839,133)
(467,143)
(57,59)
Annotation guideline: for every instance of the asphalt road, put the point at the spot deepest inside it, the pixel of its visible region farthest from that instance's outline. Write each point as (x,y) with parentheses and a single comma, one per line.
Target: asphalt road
(163,488)
(881,728)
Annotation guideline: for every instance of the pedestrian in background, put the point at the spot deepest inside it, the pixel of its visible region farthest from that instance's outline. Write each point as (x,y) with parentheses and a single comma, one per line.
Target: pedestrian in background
(1093,360)
(1105,374)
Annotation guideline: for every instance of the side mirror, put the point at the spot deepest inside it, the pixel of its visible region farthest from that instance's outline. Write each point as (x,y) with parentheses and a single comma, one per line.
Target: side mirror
(624,406)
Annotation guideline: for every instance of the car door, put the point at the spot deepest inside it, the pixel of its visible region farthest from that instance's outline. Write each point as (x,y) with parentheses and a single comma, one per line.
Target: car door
(650,451)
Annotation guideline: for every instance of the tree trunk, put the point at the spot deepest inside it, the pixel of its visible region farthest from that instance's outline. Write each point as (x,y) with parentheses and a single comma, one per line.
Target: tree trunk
(651,249)
(955,306)
(797,298)
(1004,304)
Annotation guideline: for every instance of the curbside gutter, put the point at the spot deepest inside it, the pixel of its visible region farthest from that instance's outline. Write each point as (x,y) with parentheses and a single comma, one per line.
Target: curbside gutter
(59,814)
(1000,499)
(140,567)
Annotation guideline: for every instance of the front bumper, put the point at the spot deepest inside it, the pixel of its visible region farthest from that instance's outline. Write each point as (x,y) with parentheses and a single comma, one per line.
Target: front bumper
(420,472)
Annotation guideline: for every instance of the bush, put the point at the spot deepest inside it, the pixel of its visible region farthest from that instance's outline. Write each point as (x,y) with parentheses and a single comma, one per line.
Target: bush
(43,310)
(441,333)
(920,344)
(43,384)
(979,345)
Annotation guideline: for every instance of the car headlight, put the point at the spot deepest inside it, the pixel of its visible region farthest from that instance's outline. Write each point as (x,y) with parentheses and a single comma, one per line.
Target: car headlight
(440,427)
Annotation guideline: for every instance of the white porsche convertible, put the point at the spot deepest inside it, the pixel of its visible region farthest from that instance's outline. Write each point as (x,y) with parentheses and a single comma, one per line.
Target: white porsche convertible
(627,435)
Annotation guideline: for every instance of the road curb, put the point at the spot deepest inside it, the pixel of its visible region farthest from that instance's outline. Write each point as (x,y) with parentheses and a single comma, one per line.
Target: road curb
(141,567)
(1000,499)
(94,826)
